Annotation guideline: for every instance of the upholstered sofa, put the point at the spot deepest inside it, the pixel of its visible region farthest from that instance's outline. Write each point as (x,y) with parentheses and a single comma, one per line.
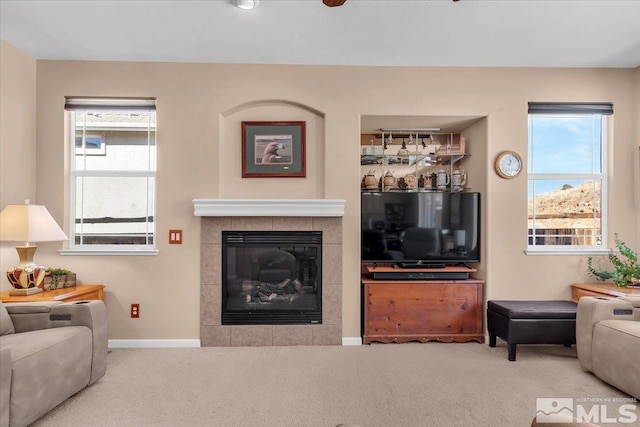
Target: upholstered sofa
(608,340)
(48,352)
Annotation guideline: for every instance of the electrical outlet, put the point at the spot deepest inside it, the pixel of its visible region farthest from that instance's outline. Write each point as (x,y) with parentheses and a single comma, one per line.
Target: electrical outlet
(135,311)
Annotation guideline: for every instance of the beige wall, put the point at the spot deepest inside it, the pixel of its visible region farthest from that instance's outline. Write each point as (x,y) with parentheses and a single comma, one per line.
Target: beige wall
(17,137)
(200,106)
(637,143)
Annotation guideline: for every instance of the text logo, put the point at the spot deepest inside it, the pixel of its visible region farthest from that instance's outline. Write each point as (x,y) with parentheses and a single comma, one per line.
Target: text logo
(554,410)
(586,410)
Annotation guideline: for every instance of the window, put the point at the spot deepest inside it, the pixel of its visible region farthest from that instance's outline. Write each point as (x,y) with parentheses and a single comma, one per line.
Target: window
(567,179)
(112,175)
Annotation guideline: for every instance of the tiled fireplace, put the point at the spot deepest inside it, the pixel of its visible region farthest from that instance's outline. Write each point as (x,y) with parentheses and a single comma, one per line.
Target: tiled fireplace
(220,215)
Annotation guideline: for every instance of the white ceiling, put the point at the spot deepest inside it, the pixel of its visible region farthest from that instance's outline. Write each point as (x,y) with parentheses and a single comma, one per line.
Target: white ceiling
(504,33)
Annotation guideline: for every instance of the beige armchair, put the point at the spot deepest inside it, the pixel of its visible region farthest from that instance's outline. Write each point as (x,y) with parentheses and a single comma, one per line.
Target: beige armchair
(48,352)
(608,340)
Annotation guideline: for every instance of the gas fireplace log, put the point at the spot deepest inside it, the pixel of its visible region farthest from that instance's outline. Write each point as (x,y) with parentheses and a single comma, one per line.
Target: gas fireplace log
(287,286)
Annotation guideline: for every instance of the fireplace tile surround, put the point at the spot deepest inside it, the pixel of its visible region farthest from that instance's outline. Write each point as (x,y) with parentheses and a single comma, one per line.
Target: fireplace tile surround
(213,333)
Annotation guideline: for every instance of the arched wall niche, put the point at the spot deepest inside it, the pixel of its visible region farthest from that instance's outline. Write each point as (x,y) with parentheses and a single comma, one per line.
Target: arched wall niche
(232,185)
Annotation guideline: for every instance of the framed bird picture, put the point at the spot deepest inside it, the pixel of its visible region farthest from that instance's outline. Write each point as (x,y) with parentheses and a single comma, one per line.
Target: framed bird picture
(273,150)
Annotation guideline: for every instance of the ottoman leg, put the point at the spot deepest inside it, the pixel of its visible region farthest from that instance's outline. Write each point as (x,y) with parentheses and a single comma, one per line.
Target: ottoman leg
(512,352)
(492,340)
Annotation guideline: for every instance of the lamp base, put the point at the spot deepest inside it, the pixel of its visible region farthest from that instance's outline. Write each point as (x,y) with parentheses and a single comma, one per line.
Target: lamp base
(26,277)
(25,292)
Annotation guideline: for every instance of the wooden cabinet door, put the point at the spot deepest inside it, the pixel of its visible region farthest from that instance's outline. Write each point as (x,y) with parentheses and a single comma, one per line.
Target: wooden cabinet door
(405,311)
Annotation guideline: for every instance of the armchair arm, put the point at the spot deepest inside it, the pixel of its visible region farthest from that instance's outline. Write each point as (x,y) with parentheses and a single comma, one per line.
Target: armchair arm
(43,315)
(93,315)
(592,310)
(30,316)
(635,302)
(5,385)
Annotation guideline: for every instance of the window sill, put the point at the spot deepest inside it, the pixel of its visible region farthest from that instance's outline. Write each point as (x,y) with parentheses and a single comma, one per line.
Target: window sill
(109,252)
(567,251)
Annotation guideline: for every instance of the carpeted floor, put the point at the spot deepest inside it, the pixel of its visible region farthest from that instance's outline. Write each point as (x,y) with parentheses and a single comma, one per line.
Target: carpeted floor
(432,384)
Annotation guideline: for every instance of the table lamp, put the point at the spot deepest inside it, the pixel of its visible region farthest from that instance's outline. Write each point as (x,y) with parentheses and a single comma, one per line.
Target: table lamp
(28,223)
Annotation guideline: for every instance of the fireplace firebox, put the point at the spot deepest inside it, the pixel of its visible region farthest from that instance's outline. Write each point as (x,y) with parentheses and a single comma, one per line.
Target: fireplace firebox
(271,277)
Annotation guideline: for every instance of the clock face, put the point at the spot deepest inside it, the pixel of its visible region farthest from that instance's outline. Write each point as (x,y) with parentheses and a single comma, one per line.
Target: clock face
(508,164)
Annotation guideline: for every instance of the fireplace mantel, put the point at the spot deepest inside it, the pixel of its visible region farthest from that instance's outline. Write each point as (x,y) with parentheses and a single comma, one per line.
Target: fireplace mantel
(269,207)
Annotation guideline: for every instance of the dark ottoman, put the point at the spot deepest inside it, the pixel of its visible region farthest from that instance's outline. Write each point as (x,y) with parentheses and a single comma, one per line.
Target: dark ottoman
(531,322)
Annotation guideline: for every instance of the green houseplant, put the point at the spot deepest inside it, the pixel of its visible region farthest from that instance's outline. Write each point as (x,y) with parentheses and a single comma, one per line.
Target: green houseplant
(626,269)
(58,278)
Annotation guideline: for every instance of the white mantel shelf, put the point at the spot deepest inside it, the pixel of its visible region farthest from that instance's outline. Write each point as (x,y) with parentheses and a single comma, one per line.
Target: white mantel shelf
(268,207)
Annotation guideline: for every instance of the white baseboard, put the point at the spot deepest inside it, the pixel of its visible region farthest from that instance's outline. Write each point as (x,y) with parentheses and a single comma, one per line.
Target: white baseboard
(351,340)
(154,343)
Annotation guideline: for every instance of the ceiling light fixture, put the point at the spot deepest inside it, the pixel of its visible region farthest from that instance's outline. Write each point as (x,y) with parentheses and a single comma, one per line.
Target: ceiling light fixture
(246,4)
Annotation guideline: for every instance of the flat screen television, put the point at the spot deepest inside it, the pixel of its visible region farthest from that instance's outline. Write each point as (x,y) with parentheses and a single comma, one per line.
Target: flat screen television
(414,229)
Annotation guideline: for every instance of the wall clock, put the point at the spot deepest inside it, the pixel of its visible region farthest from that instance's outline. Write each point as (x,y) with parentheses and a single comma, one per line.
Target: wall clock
(508,164)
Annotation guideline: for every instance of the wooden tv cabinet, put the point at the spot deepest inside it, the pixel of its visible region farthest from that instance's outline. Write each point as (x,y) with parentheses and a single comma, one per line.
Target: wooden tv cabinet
(422,310)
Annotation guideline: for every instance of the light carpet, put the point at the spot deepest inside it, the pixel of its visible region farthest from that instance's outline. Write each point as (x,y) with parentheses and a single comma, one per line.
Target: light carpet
(414,384)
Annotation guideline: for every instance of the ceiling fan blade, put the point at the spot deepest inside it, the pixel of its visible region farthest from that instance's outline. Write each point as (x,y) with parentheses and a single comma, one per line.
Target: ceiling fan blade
(333,3)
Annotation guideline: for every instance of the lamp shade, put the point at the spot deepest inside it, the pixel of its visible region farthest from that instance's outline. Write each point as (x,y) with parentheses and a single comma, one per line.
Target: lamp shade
(29,223)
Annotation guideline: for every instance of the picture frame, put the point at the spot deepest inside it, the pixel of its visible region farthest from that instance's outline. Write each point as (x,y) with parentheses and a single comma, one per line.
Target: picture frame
(273,149)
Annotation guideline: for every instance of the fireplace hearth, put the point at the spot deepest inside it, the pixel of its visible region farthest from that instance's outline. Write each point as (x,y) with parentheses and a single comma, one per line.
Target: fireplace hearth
(320,215)
(271,277)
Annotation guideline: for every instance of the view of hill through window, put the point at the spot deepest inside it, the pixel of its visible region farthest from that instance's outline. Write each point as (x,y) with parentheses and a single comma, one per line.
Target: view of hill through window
(566,176)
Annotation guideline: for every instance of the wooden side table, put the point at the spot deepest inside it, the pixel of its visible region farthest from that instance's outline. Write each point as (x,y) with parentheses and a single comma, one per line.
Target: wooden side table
(579,290)
(74,293)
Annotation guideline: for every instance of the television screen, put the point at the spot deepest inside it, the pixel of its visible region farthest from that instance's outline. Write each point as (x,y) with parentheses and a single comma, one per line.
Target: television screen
(411,228)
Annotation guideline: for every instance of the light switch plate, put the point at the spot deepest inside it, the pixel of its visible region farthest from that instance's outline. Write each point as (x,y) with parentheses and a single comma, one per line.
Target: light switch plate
(175,237)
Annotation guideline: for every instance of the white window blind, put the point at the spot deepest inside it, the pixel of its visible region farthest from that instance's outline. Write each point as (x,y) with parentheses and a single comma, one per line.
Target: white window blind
(112,175)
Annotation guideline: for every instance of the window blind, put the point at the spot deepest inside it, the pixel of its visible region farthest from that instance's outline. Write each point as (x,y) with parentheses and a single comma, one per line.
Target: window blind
(604,108)
(92,103)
